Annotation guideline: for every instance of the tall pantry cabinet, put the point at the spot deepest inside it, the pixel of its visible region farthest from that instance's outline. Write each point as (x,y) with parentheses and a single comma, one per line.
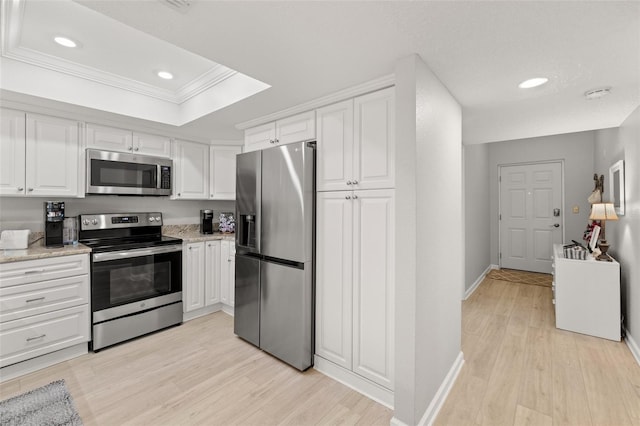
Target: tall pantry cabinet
(355,239)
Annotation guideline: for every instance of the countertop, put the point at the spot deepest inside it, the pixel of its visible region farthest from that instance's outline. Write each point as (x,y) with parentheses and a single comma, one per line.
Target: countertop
(191,234)
(37,250)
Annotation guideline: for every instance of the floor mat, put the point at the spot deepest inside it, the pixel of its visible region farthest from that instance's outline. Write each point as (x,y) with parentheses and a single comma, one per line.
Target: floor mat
(521,277)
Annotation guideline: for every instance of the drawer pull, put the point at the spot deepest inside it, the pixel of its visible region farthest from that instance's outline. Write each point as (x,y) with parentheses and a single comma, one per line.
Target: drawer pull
(34,271)
(29,339)
(35,300)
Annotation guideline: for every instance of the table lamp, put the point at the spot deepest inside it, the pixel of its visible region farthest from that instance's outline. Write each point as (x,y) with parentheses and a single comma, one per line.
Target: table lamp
(603,212)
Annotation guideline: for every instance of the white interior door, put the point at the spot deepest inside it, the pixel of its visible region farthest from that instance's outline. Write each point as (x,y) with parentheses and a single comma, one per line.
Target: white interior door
(531,215)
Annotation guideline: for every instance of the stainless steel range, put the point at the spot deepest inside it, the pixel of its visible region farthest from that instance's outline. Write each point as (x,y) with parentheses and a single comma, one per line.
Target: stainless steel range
(136,276)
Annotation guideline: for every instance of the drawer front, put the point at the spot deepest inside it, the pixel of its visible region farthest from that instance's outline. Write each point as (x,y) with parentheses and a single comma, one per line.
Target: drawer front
(30,271)
(41,334)
(45,296)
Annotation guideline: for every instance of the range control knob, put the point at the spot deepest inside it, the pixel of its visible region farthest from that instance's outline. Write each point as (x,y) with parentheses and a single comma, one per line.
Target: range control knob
(94,222)
(85,222)
(152,219)
(158,218)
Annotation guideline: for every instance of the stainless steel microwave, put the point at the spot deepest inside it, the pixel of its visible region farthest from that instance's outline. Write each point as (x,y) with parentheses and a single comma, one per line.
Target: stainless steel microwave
(121,173)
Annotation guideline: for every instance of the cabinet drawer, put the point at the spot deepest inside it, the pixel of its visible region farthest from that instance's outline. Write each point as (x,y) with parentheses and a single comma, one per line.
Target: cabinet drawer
(45,296)
(41,334)
(30,271)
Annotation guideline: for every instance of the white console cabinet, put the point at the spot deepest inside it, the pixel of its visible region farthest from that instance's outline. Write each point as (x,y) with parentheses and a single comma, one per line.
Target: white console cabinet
(587,295)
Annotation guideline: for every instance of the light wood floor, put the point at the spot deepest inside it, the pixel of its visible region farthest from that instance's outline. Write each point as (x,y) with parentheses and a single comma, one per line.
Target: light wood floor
(520,370)
(200,373)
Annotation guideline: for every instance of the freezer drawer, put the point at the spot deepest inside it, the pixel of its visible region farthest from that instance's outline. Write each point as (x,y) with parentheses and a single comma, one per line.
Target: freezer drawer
(286,313)
(246,323)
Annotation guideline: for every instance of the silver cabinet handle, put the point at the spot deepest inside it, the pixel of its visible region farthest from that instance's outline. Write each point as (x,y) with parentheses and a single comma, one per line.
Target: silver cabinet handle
(21,189)
(30,189)
(277,140)
(348,182)
(137,149)
(130,148)
(190,248)
(355,182)
(179,195)
(29,339)
(272,141)
(555,225)
(348,197)
(34,300)
(355,197)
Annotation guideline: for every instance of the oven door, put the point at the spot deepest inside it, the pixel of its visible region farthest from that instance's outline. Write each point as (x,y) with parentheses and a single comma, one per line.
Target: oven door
(128,281)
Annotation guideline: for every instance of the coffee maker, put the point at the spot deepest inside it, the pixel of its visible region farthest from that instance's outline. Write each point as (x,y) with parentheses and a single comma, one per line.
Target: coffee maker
(206,221)
(53,223)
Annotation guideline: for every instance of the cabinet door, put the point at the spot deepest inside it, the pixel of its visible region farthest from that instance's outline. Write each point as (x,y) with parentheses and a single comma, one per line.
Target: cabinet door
(225,273)
(222,173)
(335,147)
(374,145)
(212,273)
(334,288)
(109,138)
(159,146)
(193,277)
(12,152)
(373,292)
(191,165)
(259,137)
(298,128)
(52,156)
(232,278)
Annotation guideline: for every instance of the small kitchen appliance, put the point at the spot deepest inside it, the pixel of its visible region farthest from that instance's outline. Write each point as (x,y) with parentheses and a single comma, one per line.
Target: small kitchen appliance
(206,221)
(53,223)
(136,276)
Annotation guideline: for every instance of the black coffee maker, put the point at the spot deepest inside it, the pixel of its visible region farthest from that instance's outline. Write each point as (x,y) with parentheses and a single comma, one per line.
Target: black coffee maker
(206,221)
(53,223)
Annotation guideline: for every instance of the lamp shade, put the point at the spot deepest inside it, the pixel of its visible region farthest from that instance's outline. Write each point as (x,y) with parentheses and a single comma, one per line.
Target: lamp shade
(603,211)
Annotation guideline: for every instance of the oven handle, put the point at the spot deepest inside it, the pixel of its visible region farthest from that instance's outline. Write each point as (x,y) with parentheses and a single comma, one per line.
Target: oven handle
(127,254)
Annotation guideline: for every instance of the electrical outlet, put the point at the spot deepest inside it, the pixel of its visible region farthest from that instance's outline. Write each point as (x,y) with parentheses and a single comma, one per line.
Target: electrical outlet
(576,209)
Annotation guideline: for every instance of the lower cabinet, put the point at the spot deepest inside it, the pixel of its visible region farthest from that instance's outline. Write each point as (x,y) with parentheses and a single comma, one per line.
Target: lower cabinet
(44,312)
(355,282)
(228,273)
(206,279)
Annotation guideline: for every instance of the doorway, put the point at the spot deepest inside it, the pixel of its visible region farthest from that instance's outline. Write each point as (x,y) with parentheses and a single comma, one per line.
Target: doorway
(531,216)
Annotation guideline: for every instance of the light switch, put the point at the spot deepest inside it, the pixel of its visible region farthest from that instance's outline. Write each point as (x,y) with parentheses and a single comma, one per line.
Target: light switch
(576,209)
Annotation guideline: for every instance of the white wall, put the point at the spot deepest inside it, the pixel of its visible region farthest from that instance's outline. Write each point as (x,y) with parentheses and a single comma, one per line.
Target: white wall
(429,254)
(624,235)
(27,213)
(576,149)
(476,212)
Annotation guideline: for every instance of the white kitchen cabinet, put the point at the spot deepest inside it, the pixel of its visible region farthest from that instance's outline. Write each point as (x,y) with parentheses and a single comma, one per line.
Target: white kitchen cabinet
(212,273)
(355,282)
(44,308)
(123,140)
(12,152)
(222,172)
(356,143)
(228,272)
(292,129)
(193,267)
(191,171)
(40,156)
(587,295)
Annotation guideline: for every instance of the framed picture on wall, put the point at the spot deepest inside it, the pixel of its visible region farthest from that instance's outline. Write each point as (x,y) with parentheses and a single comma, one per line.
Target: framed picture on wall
(616,186)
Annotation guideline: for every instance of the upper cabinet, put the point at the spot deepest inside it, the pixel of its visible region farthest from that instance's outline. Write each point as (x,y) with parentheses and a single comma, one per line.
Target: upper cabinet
(297,128)
(356,147)
(222,172)
(204,172)
(114,139)
(40,156)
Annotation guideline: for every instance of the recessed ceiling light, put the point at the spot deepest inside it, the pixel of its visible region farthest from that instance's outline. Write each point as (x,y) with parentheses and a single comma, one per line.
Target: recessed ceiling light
(166,75)
(533,82)
(597,93)
(64,41)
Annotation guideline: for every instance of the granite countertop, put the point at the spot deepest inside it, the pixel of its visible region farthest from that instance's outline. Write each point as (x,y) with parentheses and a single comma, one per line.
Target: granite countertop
(37,250)
(191,234)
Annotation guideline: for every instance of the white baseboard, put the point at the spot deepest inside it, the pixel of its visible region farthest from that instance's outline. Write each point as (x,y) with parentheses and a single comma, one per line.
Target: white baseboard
(440,397)
(477,282)
(188,316)
(633,346)
(358,383)
(43,361)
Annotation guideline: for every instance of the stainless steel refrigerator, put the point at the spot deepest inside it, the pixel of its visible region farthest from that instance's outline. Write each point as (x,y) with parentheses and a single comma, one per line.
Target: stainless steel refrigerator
(274,299)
